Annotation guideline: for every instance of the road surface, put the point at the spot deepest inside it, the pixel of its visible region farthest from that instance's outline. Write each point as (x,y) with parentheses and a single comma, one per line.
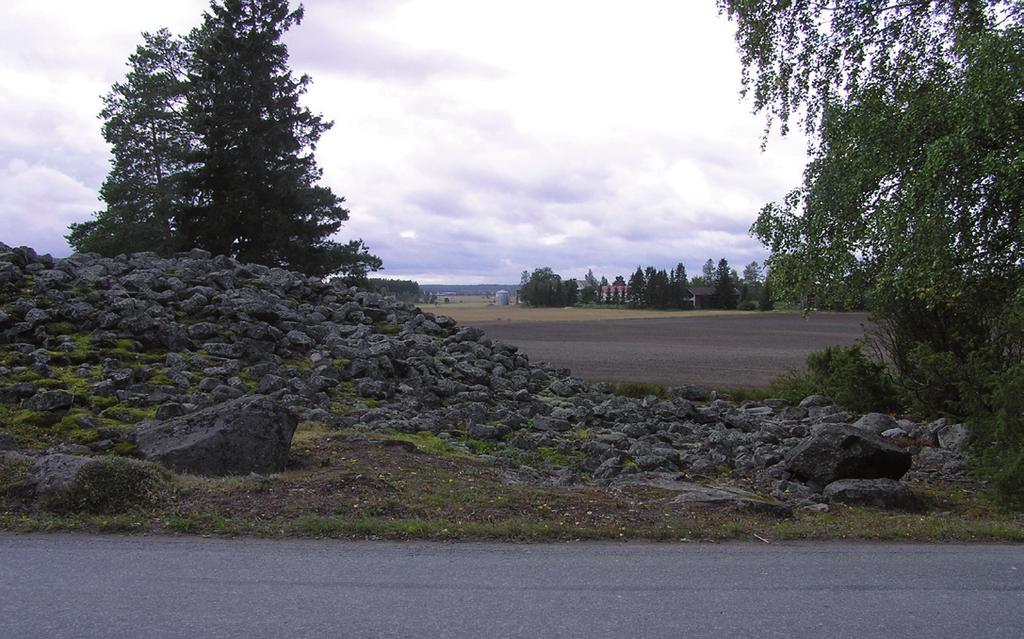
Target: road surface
(81,586)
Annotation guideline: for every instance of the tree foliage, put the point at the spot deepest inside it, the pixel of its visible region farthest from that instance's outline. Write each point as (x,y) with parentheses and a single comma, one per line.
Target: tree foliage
(146,128)
(914,192)
(213,148)
(912,199)
(545,288)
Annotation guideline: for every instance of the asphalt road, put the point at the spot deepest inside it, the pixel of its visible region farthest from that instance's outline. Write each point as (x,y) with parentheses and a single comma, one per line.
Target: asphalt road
(78,586)
(738,351)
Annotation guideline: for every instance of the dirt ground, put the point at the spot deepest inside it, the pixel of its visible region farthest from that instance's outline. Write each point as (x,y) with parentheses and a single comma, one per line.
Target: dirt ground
(719,351)
(475,309)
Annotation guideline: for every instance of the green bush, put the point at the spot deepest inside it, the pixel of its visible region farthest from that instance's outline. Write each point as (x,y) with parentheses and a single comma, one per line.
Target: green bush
(110,485)
(640,390)
(748,305)
(997,423)
(13,474)
(845,375)
(850,379)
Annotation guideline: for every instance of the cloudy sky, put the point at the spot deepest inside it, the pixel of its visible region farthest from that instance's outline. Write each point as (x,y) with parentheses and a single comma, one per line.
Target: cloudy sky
(473,139)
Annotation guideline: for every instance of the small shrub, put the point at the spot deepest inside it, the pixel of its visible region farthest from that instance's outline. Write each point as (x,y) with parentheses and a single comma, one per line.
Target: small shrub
(640,390)
(110,485)
(998,429)
(850,379)
(13,474)
(748,305)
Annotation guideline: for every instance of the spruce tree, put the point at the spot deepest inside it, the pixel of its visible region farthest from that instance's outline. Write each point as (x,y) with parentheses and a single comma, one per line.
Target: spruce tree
(212,148)
(725,286)
(254,187)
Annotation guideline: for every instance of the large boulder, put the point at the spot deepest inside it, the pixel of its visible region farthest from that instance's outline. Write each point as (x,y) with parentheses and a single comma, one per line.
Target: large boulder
(251,434)
(880,493)
(954,437)
(841,452)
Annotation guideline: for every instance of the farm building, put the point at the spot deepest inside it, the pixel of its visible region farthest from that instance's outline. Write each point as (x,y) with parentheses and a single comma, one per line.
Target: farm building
(612,291)
(702,296)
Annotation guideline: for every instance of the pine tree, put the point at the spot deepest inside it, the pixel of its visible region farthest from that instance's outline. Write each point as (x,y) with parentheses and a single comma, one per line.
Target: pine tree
(144,124)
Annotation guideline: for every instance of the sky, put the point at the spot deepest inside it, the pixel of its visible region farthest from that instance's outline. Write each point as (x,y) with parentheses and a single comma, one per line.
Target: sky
(472,139)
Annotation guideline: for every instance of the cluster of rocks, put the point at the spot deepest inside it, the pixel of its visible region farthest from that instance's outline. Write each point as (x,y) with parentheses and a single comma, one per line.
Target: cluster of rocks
(206,365)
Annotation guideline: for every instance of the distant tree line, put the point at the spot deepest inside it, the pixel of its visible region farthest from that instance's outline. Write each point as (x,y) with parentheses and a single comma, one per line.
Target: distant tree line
(546,288)
(211,148)
(405,290)
(652,288)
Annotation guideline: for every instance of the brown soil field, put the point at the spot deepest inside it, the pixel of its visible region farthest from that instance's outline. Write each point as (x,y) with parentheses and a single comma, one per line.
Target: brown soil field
(473,310)
(744,350)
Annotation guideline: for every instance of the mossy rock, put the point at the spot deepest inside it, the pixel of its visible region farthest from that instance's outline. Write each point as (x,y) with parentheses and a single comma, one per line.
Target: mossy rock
(110,485)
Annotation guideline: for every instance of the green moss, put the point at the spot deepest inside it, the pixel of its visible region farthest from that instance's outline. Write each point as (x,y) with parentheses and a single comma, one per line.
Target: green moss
(124,449)
(30,418)
(60,328)
(83,436)
(128,414)
(553,457)
(387,328)
(250,382)
(429,443)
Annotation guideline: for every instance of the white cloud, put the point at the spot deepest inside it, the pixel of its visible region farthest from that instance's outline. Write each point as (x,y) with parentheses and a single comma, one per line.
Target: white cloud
(495,136)
(38,203)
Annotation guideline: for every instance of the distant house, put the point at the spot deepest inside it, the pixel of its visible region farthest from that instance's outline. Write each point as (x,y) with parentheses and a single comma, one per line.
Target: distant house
(701,296)
(608,292)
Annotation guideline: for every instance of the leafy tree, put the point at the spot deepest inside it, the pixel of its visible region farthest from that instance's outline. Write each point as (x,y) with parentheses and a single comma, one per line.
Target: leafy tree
(914,192)
(766,302)
(913,195)
(546,288)
(725,287)
(145,126)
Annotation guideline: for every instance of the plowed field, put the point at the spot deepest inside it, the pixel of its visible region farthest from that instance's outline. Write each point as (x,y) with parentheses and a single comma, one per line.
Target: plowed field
(719,351)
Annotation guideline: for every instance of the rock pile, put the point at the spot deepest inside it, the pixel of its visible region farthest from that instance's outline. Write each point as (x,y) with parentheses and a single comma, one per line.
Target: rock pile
(205,365)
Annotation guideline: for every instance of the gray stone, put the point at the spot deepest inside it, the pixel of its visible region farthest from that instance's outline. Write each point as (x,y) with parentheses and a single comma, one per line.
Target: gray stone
(893,433)
(543,422)
(54,472)
(841,452)
(49,401)
(169,410)
(248,435)
(955,437)
(876,423)
(881,493)
(812,401)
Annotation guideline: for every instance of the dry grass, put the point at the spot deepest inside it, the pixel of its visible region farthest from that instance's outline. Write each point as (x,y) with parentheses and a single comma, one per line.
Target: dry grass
(368,485)
(476,309)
